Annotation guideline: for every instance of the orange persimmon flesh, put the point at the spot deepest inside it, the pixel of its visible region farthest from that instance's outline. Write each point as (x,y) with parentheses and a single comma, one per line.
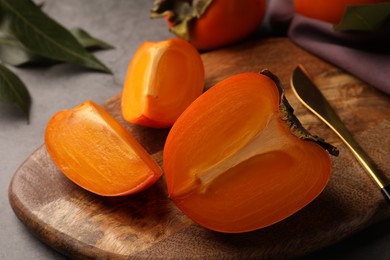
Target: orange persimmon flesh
(163,78)
(94,151)
(233,165)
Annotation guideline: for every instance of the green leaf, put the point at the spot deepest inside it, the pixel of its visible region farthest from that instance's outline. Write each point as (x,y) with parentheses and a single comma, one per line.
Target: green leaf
(12,51)
(88,41)
(366,18)
(13,90)
(45,37)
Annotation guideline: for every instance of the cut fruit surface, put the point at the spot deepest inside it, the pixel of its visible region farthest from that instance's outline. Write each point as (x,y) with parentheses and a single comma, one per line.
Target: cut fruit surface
(94,151)
(232,163)
(163,78)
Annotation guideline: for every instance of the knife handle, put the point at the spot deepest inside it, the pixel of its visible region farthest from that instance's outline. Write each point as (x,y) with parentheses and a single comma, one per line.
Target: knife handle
(386,192)
(339,128)
(326,113)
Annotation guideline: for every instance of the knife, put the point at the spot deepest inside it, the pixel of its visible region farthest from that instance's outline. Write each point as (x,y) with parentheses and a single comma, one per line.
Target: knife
(310,96)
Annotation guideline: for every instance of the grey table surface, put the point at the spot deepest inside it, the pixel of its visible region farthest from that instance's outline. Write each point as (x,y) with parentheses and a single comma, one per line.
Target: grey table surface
(125,24)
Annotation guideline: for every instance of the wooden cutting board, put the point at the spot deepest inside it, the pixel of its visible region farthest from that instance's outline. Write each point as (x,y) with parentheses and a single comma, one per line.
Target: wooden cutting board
(82,225)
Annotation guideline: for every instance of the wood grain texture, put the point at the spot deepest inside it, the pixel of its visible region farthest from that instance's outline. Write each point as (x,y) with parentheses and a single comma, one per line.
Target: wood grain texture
(83,225)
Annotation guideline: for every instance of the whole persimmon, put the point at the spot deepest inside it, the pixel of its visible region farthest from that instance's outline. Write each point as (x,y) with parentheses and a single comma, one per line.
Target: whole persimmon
(211,24)
(328,10)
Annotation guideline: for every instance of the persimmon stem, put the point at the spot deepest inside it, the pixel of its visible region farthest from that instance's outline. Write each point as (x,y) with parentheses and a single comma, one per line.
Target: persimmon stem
(287,114)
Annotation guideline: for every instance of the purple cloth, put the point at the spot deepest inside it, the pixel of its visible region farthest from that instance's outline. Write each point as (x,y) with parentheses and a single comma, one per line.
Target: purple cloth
(363,54)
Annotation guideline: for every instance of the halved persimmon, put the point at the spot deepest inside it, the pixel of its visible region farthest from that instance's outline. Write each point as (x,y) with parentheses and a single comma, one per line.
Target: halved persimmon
(238,160)
(163,78)
(94,151)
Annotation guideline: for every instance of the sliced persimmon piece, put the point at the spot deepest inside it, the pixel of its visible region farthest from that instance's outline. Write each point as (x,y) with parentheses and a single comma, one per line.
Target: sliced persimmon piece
(238,159)
(162,80)
(94,151)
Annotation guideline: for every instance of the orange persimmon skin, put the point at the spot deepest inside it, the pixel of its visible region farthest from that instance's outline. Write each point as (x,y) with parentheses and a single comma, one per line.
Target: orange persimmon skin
(163,78)
(328,10)
(231,163)
(94,151)
(226,22)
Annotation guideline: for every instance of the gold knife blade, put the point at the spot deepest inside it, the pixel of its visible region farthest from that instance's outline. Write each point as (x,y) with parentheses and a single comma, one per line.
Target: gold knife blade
(310,96)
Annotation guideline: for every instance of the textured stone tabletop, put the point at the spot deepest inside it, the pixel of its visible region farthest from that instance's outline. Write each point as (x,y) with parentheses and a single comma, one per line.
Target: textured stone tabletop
(124,24)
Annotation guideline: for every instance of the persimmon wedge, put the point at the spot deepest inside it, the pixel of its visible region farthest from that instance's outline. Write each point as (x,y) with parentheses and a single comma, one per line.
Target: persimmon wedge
(163,78)
(238,160)
(94,151)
